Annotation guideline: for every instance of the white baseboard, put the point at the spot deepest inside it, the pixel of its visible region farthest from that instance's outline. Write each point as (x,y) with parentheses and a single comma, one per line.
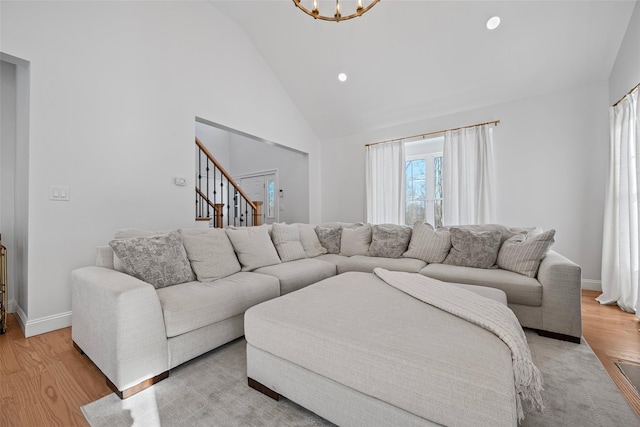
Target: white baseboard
(41,325)
(47,324)
(592,285)
(20,316)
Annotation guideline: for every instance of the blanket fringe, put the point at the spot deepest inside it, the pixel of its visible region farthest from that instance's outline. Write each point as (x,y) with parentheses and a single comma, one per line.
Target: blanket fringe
(528,389)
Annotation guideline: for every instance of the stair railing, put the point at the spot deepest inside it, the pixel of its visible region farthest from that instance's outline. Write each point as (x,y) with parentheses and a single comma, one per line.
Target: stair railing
(219,199)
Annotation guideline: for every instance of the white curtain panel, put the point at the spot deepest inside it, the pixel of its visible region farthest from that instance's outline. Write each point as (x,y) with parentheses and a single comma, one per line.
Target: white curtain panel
(385,182)
(468,176)
(620,250)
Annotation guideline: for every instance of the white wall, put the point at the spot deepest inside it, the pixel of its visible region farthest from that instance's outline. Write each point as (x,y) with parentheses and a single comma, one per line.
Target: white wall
(626,69)
(217,141)
(251,157)
(115,89)
(551,160)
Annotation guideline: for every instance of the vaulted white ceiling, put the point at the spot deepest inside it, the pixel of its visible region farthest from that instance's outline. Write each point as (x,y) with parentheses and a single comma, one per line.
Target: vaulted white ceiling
(411,60)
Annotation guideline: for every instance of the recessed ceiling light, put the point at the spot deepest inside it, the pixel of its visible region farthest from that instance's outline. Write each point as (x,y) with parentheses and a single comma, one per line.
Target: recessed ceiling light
(493,22)
(342,77)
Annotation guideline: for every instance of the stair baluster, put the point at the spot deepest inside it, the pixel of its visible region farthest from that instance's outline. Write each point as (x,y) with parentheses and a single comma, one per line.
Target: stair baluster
(215,201)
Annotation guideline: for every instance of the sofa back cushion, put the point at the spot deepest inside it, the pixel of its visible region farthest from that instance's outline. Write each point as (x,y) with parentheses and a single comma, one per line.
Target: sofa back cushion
(522,254)
(286,239)
(158,260)
(473,248)
(309,240)
(355,240)
(389,240)
(427,244)
(253,247)
(210,253)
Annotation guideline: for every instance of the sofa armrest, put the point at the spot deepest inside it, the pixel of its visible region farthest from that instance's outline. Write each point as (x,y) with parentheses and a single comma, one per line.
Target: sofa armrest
(561,281)
(117,321)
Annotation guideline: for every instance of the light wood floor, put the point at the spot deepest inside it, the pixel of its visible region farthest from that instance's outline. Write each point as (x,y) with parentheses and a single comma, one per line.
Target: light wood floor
(44,380)
(614,336)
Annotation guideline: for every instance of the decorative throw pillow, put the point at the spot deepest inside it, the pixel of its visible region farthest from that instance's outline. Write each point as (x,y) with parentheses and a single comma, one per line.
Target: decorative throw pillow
(128,233)
(427,244)
(355,241)
(522,254)
(330,238)
(286,238)
(473,249)
(310,242)
(210,253)
(389,240)
(158,260)
(253,247)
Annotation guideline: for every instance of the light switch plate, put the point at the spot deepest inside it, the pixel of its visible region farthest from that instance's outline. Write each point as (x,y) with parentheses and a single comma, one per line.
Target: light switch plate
(59,193)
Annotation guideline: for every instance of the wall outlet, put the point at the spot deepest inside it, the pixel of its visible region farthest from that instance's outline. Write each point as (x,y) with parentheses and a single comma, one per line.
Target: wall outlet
(59,193)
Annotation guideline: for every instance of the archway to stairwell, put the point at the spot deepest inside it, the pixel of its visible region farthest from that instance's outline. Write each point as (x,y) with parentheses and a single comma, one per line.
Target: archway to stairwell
(245,155)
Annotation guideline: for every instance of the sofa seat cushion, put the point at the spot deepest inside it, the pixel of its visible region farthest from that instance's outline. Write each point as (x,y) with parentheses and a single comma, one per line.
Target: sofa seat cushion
(297,274)
(192,305)
(366,264)
(519,289)
(334,259)
(485,291)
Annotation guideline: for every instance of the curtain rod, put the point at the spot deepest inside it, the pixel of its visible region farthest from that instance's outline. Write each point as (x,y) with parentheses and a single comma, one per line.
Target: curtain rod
(495,122)
(627,94)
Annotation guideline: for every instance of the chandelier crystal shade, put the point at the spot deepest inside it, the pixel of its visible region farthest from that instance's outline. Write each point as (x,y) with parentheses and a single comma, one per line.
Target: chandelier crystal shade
(337,12)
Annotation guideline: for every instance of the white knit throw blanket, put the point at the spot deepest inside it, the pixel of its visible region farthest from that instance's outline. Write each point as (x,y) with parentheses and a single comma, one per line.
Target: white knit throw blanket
(487,313)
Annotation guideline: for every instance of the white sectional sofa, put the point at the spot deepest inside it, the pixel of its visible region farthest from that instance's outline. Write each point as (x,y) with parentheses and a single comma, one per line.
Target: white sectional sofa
(192,287)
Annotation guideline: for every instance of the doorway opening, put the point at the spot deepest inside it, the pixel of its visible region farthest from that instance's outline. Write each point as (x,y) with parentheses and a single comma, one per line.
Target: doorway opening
(14,179)
(263,187)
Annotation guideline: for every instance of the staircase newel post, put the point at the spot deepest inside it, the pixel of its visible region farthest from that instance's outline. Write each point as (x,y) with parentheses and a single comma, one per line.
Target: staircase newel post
(218,208)
(257,213)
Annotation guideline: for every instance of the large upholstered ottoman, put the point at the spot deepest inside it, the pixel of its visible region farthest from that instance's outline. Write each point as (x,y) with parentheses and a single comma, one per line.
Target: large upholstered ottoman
(359,352)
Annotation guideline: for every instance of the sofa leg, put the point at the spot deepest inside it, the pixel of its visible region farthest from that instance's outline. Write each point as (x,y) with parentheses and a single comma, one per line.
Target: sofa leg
(126,393)
(131,390)
(562,337)
(263,389)
(77,347)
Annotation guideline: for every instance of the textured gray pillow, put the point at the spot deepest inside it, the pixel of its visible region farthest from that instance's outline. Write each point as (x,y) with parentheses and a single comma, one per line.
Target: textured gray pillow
(427,244)
(330,238)
(310,242)
(158,260)
(286,238)
(127,233)
(473,249)
(210,253)
(355,241)
(389,240)
(522,254)
(253,247)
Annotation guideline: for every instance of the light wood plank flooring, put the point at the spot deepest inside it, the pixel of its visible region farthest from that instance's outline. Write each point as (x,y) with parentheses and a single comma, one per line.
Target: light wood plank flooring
(44,380)
(613,336)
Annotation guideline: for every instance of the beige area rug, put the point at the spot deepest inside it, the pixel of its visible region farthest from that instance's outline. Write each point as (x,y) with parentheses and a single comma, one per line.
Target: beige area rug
(212,391)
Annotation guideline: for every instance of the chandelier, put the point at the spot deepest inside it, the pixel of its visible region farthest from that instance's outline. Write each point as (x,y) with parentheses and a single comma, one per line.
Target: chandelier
(337,16)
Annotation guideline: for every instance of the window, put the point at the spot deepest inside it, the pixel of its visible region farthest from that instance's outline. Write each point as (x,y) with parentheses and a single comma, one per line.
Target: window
(271,198)
(423,177)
